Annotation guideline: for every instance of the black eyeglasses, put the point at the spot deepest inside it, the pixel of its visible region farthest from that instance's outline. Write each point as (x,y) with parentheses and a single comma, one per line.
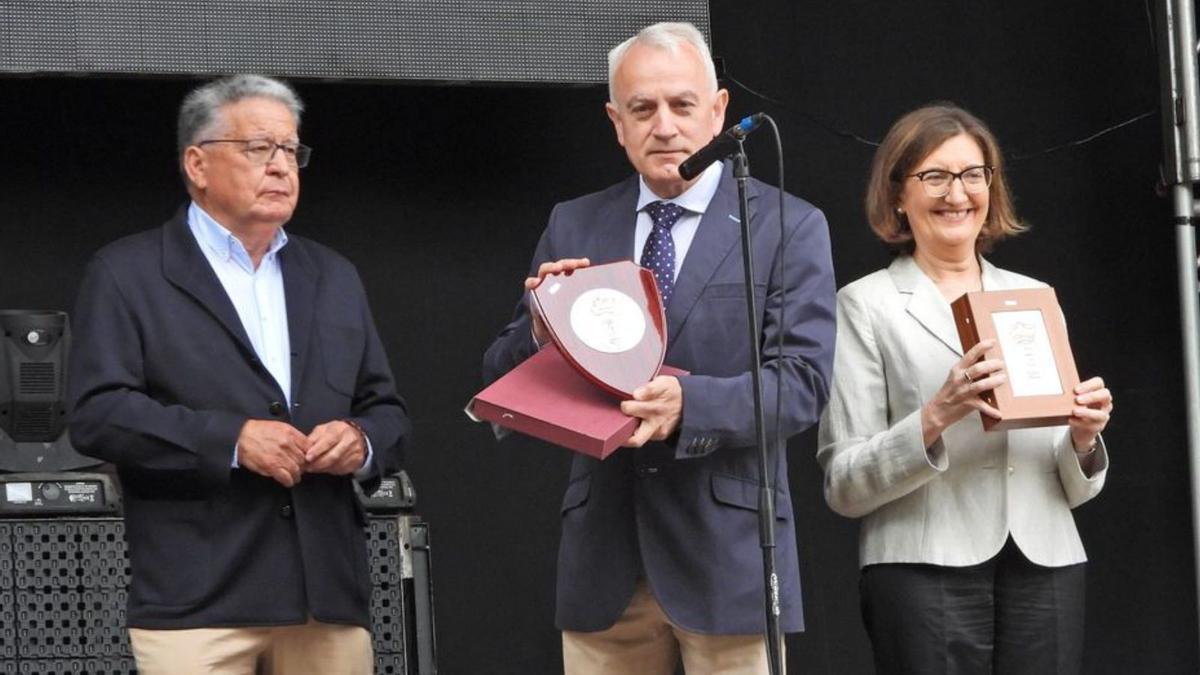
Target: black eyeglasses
(937,182)
(260,150)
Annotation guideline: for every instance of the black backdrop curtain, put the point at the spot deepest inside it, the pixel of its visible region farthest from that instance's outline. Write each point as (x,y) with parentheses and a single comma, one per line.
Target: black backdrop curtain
(439,194)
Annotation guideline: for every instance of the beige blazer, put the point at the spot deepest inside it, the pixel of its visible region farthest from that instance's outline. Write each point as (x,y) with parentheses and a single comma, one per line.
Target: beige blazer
(957,503)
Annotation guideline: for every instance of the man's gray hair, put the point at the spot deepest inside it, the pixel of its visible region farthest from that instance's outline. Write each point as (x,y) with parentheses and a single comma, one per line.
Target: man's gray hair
(198,114)
(668,36)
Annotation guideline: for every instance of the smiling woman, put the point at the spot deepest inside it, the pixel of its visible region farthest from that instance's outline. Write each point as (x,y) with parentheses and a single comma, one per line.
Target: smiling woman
(920,142)
(970,556)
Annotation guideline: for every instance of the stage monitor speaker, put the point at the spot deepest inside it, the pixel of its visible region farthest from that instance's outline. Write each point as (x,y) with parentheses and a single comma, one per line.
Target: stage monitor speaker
(63,595)
(527,41)
(33,383)
(65,493)
(395,494)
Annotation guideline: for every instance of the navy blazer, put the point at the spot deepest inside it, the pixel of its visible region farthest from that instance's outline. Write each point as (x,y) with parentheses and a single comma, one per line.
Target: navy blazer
(684,513)
(162,377)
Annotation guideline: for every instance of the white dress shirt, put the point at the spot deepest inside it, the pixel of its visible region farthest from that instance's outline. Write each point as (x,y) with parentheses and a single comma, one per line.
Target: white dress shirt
(694,200)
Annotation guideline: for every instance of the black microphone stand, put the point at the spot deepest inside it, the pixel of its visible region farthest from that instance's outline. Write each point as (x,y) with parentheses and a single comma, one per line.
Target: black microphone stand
(766,492)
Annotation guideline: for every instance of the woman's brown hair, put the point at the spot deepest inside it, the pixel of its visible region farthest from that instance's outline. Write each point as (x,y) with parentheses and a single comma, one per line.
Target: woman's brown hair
(911,139)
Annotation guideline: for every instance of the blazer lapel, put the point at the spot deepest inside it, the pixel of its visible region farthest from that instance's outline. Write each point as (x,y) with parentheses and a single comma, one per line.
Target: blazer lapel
(994,279)
(718,233)
(185,266)
(300,291)
(616,219)
(925,302)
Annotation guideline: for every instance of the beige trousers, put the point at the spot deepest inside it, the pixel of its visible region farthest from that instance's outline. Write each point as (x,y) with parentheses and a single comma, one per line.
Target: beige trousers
(313,648)
(644,641)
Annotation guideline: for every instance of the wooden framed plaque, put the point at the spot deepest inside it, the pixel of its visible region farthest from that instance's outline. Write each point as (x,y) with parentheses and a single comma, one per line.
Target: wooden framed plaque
(1031,338)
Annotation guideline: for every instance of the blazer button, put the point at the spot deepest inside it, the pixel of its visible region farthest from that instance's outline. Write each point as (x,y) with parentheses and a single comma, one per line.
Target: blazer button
(277,409)
(286,511)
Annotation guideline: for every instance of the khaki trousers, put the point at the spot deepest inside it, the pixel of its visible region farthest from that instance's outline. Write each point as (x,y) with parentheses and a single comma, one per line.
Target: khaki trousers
(645,642)
(313,648)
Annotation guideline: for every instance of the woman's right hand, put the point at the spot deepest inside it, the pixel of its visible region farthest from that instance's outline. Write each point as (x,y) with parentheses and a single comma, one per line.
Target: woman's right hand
(960,394)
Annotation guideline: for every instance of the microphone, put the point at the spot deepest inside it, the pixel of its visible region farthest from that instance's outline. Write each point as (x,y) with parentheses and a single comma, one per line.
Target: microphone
(719,148)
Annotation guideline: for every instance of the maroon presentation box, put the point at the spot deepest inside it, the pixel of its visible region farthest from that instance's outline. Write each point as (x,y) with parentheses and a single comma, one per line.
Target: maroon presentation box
(545,397)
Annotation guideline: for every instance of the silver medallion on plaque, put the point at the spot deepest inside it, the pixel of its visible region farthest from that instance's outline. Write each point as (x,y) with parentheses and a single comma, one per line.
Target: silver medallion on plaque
(608,320)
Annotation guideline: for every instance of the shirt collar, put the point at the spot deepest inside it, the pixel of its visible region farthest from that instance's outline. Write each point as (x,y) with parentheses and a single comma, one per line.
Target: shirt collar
(221,242)
(695,199)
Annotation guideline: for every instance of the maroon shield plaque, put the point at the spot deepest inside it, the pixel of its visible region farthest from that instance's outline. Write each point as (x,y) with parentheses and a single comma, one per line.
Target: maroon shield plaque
(608,321)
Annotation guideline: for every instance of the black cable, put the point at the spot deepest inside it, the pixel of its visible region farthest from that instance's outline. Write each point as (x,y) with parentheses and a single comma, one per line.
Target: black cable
(1153,32)
(842,133)
(780,266)
(782,327)
(779,263)
(806,115)
(1083,141)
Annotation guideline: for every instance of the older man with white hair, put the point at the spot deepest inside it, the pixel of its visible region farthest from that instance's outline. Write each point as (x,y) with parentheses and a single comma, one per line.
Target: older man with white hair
(660,560)
(234,376)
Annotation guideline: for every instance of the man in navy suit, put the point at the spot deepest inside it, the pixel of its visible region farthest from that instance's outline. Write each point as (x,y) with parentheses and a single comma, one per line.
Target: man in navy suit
(660,559)
(233,374)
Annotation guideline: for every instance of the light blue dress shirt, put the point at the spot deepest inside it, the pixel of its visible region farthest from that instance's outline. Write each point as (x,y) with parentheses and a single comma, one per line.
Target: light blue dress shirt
(256,294)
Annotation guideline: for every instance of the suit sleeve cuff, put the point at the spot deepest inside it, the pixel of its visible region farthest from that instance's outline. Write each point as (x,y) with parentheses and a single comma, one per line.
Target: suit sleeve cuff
(213,457)
(1071,461)
(364,472)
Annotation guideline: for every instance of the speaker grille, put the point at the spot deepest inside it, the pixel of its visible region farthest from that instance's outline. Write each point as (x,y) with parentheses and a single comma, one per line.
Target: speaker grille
(63,596)
(33,421)
(37,378)
(513,41)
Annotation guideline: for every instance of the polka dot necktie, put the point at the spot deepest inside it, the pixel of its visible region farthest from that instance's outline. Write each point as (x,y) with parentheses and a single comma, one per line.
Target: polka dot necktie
(659,254)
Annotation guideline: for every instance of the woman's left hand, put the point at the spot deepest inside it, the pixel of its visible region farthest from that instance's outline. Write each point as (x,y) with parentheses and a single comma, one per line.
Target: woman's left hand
(1094,405)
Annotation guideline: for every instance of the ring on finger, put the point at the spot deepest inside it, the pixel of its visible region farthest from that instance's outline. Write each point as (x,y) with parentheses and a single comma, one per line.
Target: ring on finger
(967,376)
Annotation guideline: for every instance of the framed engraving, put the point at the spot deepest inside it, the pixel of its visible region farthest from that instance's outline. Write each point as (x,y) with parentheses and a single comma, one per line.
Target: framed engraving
(1031,338)
(1028,356)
